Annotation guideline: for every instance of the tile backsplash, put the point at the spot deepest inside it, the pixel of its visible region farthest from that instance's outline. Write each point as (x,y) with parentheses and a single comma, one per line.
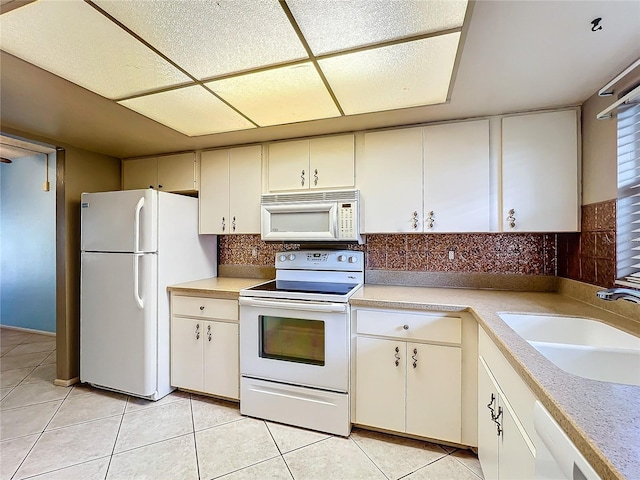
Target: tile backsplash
(509,253)
(589,256)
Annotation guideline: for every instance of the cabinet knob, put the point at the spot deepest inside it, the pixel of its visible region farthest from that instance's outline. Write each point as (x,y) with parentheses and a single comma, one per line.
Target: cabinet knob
(430,219)
(151,186)
(414,220)
(405,327)
(201,307)
(159,186)
(512,218)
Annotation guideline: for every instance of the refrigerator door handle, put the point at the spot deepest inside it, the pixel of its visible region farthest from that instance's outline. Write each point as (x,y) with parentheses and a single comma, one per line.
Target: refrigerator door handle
(136,280)
(136,225)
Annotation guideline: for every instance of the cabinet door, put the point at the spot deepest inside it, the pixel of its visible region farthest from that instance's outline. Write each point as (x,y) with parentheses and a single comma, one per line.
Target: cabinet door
(289,166)
(222,373)
(391,184)
(331,162)
(245,187)
(380,383)
(434,391)
(214,192)
(456,177)
(140,173)
(540,172)
(516,461)
(187,368)
(487,431)
(177,173)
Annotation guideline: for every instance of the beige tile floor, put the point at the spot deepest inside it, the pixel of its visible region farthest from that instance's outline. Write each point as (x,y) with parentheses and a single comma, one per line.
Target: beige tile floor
(50,432)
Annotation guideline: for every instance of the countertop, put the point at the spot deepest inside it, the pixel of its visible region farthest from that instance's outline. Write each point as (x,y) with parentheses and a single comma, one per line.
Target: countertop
(602,419)
(220,287)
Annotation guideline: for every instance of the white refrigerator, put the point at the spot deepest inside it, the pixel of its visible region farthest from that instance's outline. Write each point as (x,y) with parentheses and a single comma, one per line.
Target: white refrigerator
(134,244)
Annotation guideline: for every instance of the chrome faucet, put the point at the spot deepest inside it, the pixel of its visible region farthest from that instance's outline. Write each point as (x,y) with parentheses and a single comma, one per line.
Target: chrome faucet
(612,294)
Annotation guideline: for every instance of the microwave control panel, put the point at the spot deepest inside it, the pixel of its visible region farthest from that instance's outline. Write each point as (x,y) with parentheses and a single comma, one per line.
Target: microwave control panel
(347,219)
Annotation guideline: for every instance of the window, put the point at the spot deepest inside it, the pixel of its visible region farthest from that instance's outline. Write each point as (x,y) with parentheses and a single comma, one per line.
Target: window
(628,210)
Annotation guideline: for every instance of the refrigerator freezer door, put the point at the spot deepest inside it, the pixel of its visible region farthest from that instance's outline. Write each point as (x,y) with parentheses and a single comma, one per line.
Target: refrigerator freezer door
(118,322)
(124,221)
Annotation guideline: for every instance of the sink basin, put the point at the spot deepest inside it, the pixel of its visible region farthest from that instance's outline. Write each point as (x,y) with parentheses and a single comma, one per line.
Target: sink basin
(581,346)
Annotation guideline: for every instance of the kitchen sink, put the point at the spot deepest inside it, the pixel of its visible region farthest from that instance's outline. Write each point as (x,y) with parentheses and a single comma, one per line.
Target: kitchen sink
(581,346)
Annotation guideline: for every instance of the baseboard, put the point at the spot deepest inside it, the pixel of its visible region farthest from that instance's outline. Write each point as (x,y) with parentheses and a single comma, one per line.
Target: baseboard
(28,330)
(66,383)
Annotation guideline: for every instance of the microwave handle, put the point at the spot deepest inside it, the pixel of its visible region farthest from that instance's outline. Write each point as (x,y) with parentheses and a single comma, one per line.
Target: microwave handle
(300,306)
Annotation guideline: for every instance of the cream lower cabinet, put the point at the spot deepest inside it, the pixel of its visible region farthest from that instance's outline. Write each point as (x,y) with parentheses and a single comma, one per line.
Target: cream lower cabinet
(505,447)
(204,345)
(409,374)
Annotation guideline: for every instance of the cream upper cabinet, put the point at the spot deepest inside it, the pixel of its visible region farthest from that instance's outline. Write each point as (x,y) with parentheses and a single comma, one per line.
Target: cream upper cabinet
(177,173)
(140,173)
(540,172)
(168,173)
(320,163)
(391,181)
(230,190)
(456,177)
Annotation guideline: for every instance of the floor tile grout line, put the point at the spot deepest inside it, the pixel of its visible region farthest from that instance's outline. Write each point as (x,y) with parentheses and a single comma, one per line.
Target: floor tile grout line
(41,434)
(367,455)
(279,450)
(195,441)
(115,441)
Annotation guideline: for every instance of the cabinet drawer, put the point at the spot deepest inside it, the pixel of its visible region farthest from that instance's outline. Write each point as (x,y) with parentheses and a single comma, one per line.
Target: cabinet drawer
(409,326)
(203,307)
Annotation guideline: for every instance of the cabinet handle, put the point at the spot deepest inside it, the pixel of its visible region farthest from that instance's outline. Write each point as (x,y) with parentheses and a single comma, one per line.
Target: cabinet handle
(405,327)
(223,224)
(512,218)
(315,177)
(302,178)
(430,219)
(497,421)
(233,224)
(159,186)
(415,357)
(414,220)
(197,331)
(490,407)
(209,332)
(151,186)
(397,355)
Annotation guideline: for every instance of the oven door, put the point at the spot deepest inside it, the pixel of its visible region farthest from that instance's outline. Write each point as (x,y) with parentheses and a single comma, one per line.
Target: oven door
(298,342)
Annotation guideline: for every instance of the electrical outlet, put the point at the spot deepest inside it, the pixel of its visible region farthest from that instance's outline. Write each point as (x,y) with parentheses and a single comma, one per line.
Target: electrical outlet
(254,252)
(451,254)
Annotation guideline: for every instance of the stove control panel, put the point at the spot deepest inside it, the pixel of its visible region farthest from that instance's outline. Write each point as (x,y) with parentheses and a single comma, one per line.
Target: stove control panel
(349,260)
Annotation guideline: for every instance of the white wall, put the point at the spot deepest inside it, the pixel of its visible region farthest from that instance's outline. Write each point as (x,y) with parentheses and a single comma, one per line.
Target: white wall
(28,244)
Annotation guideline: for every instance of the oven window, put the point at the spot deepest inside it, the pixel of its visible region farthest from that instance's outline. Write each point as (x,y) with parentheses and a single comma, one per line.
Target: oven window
(292,339)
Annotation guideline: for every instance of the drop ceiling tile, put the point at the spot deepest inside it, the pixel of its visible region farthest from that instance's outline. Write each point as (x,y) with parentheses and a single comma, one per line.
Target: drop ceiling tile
(74,41)
(403,75)
(191,110)
(209,38)
(336,25)
(278,96)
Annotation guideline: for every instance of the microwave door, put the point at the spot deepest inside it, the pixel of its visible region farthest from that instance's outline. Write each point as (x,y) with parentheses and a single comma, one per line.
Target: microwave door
(305,222)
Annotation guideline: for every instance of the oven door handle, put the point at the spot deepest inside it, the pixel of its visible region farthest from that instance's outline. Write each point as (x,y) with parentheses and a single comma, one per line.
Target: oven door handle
(300,306)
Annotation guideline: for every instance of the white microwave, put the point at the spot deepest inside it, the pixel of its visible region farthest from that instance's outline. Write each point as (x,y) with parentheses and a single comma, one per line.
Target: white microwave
(331,216)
